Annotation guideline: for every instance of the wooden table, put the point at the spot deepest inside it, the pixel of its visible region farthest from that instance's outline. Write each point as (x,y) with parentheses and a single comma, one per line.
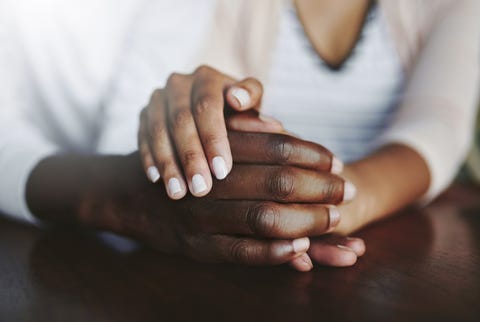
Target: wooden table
(421,266)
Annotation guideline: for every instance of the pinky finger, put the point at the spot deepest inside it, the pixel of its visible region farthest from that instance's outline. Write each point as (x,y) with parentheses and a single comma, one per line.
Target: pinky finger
(145,155)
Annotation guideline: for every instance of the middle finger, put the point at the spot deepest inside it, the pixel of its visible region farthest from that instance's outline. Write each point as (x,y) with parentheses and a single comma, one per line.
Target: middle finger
(284,184)
(184,134)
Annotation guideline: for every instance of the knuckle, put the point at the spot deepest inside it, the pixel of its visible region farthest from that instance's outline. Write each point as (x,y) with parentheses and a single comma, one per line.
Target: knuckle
(194,218)
(280,183)
(190,157)
(256,82)
(182,239)
(165,164)
(158,131)
(206,104)
(189,247)
(264,219)
(180,118)
(144,154)
(156,95)
(332,191)
(282,148)
(174,80)
(239,251)
(203,69)
(190,221)
(214,139)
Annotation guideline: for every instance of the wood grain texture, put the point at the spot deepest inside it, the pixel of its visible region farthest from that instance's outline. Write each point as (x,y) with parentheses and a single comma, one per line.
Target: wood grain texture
(420,266)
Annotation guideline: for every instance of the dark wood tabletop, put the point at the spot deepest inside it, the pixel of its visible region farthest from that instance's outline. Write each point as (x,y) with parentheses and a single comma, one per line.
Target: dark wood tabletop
(419,266)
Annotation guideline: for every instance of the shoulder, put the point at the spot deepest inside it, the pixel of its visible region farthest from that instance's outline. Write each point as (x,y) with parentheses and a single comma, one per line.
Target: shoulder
(411,22)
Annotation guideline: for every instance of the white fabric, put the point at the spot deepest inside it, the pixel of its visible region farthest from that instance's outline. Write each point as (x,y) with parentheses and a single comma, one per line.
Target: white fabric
(57,58)
(344,110)
(83,71)
(436,116)
(86,68)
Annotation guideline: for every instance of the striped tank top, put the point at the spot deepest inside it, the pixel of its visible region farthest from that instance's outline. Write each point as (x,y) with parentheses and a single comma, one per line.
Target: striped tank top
(345,110)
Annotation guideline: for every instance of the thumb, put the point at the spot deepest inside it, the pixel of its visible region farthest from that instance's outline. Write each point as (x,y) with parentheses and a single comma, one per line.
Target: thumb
(244,95)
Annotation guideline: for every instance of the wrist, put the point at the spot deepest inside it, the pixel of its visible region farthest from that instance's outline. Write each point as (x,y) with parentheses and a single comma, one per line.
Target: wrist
(83,190)
(360,211)
(107,203)
(387,180)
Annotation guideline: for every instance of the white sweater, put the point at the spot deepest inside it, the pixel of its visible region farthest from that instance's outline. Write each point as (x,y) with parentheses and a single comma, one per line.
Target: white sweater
(75,74)
(73,78)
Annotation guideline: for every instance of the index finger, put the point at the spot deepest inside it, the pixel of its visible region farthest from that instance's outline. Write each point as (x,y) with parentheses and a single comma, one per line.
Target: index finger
(282,149)
(207,106)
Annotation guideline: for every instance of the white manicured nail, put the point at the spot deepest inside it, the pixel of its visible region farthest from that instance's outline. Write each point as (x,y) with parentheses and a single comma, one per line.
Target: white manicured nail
(174,187)
(344,247)
(242,96)
(301,245)
(337,166)
(334,217)
(198,184)
(153,174)
(349,191)
(219,168)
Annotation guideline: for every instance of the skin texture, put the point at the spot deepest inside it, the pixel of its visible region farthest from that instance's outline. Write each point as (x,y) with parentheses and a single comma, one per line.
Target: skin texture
(333,27)
(158,146)
(112,193)
(274,199)
(388,180)
(183,127)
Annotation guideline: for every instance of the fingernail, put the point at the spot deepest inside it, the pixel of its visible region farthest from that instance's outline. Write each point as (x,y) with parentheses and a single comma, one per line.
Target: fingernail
(174,187)
(301,245)
(219,168)
(308,262)
(344,247)
(198,184)
(349,191)
(153,174)
(303,263)
(334,217)
(337,166)
(241,95)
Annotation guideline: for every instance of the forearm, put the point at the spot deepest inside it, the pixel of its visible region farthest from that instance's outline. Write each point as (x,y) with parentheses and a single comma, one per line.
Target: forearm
(388,180)
(82,190)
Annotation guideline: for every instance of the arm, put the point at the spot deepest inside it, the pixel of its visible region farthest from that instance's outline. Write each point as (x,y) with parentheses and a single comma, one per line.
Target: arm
(74,189)
(431,133)
(273,200)
(388,180)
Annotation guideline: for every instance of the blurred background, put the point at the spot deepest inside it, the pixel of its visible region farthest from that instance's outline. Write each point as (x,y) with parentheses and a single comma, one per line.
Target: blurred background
(471,170)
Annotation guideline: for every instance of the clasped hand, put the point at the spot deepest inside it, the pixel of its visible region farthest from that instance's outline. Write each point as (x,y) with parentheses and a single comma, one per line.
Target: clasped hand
(271,191)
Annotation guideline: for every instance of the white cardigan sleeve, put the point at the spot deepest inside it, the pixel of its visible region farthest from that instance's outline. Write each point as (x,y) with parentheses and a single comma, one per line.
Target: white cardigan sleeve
(437,114)
(21,145)
(160,43)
